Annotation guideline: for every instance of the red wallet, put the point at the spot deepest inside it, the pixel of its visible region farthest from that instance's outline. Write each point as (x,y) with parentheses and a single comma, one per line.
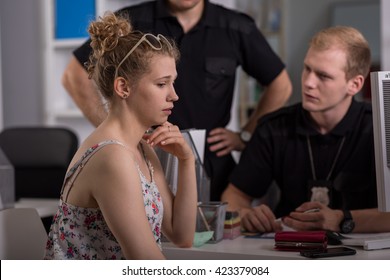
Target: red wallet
(301,240)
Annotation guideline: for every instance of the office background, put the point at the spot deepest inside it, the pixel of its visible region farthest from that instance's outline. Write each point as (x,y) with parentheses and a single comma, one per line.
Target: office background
(22,51)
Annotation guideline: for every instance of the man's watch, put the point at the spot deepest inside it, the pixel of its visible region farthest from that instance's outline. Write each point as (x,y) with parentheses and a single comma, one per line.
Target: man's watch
(245,136)
(347,224)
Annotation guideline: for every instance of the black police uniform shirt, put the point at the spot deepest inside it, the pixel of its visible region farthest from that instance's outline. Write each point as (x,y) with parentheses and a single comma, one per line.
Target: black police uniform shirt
(210,53)
(278,151)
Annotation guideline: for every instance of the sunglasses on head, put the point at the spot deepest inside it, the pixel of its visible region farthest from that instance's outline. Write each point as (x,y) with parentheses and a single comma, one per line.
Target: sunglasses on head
(155,42)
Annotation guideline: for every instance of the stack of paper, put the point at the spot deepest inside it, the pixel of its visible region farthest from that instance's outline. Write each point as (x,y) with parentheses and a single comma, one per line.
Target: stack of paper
(369,241)
(196,138)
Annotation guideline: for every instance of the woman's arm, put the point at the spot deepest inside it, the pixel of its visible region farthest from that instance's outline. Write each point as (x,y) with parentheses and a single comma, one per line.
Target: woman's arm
(180,218)
(180,210)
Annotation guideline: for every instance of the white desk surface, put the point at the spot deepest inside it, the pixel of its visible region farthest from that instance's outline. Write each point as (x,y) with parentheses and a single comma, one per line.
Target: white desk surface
(243,248)
(46,207)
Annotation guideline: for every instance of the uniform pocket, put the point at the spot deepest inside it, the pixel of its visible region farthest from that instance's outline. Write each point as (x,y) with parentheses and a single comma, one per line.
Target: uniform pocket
(220,75)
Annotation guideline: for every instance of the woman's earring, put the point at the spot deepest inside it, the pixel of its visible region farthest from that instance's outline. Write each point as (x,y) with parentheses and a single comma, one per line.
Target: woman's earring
(124,96)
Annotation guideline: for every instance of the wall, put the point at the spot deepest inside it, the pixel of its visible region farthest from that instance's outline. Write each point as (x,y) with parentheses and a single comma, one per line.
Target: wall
(21,62)
(303,19)
(1,88)
(385,32)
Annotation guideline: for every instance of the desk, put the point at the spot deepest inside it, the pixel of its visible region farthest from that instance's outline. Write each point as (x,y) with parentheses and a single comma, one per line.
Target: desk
(46,207)
(243,248)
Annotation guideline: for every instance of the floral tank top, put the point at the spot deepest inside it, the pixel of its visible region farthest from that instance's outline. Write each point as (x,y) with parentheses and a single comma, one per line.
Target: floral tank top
(82,233)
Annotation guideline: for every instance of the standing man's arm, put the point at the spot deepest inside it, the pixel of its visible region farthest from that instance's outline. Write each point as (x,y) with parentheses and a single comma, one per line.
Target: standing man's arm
(83,92)
(274,97)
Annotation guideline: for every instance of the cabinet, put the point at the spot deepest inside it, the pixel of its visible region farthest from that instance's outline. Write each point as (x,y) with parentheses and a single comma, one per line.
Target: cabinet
(269,17)
(59,108)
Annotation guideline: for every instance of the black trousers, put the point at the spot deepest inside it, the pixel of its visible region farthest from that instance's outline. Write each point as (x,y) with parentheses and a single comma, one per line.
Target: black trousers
(218,169)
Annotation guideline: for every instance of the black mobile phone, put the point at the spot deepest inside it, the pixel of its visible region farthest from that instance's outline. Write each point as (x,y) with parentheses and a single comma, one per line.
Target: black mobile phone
(329,252)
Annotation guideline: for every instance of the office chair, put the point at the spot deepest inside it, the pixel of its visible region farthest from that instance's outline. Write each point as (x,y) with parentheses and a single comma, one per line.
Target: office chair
(40,157)
(22,234)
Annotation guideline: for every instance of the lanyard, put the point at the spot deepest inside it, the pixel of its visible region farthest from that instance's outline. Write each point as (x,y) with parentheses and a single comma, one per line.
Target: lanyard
(313,171)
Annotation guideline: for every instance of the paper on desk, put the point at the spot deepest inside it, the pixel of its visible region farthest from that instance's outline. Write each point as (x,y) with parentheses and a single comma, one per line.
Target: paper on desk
(201,238)
(198,137)
(271,235)
(367,235)
(369,241)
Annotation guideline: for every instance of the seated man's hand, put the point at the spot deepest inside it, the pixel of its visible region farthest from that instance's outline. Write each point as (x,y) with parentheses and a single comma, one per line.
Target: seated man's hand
(323,218)
(259,219)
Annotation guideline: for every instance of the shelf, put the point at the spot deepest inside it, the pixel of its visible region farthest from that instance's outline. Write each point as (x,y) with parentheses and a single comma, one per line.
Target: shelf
(68,43)
(69,113)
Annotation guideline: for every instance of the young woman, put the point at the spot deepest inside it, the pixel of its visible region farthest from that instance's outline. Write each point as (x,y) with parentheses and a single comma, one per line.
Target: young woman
(115,195)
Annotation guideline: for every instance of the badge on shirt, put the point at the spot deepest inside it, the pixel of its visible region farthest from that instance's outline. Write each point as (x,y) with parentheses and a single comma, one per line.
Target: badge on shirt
(320,191)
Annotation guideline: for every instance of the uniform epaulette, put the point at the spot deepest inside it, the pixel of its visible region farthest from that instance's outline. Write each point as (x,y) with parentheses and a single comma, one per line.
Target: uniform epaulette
(280,112)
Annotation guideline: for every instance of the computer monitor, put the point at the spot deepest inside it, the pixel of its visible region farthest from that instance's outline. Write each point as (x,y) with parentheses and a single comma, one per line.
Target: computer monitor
(380,96)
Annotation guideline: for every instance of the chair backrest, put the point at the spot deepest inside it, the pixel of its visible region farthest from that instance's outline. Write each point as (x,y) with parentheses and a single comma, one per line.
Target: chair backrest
(40,157)
(22,234)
